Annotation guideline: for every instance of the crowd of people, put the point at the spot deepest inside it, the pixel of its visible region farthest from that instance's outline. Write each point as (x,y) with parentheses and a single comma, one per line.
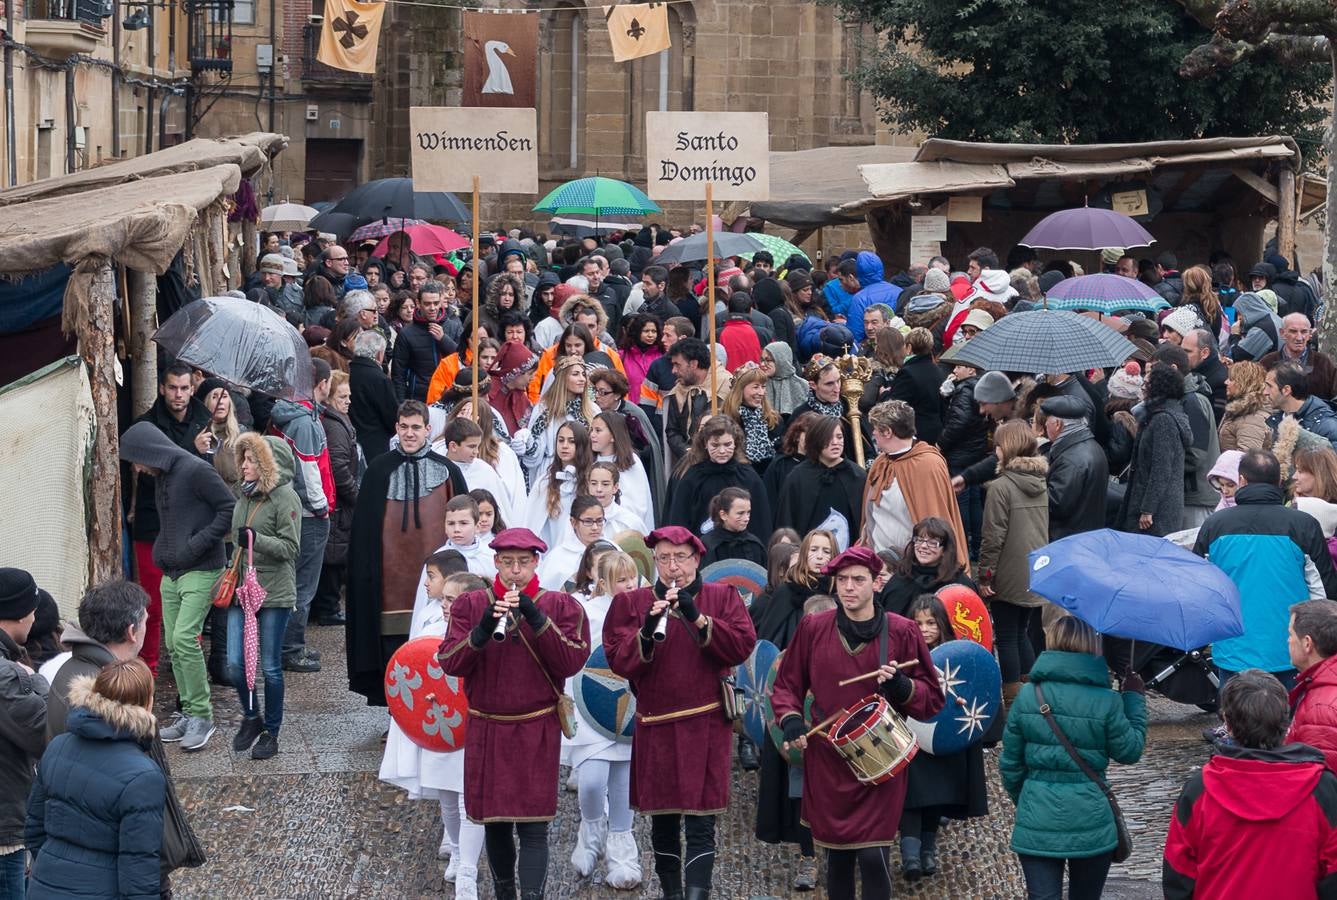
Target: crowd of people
(612,452)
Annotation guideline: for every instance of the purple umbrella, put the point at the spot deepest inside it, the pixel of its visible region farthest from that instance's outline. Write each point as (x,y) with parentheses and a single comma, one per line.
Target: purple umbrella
(1104,293)
(1087,228)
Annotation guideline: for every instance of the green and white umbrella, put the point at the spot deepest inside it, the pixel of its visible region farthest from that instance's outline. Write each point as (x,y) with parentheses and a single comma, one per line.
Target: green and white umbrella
(779,248)
(599,197)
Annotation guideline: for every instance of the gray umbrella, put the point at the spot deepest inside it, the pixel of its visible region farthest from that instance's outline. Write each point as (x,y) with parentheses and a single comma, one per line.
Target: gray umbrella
(1043,341)
(243,343)
(693,249)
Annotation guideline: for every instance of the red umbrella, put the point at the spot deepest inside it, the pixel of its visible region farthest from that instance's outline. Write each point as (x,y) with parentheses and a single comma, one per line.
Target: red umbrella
(427,240)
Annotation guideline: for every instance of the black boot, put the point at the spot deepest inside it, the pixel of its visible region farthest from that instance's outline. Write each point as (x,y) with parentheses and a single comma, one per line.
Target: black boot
(747,754)
(671,884)
(698,893)
(505,890)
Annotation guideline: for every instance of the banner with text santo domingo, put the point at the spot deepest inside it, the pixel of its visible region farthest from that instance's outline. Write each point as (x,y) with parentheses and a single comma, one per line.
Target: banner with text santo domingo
(452,144)
(686,150)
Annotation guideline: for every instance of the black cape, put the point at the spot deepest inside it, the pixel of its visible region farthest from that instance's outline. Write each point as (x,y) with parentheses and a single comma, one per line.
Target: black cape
(813,490)
(901,590)
(690,503)
(724,544)
(368,652)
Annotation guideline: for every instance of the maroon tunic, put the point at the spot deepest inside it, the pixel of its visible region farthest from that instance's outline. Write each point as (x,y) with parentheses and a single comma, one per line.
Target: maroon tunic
(680,749)
(842,812)
(514,739)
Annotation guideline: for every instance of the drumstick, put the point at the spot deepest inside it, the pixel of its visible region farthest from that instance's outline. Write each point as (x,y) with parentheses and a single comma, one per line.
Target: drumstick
(873,674)
(824,724)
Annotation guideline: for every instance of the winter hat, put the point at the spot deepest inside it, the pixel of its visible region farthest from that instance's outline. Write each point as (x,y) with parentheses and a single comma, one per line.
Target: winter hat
(1049,279)
(978,318)
(18,594)
(994,387)
(1182,320)
(271,263)
(354,282)
(563,293)
(836,340)
(1110,255)
(207,387)
(1278,262)
(936,282)
(1126,382)
(922,303)
(48,614)
(995,284)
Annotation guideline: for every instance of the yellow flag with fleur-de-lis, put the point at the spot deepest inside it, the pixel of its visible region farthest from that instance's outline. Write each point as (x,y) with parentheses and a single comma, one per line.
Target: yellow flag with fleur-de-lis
(350,34)
(638,29)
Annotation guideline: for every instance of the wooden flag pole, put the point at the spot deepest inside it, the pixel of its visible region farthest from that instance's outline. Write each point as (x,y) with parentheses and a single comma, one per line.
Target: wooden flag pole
(710,292)
(473,321)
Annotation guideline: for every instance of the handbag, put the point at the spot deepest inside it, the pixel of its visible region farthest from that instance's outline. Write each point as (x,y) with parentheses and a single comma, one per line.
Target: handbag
(181,849)
(566,705)
(1124,847)
(225,585)
(731,698)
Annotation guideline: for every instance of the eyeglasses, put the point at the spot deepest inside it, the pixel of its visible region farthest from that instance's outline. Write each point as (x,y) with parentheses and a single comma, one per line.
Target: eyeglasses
(590,523)
(513,562)
(604,392)
(337,258)
(679,558)
(928,543)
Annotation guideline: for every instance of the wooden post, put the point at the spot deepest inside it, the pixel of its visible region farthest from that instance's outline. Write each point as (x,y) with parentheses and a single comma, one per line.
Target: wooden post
(249,249)
(143,304)
(710,292)
(1287,215)
(473,321)
(96,327)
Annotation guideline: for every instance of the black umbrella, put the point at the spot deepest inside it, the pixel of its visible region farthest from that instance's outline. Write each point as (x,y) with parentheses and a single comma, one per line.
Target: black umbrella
(693,249)
(341,225)
(396,198)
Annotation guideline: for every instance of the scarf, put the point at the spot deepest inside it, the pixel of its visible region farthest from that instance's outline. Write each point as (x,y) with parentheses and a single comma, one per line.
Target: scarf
(418,316)
(499,588)
(757,444)
(834,410)
(575,412)
(661,589)
(248,488)
(416,476)
(859,633)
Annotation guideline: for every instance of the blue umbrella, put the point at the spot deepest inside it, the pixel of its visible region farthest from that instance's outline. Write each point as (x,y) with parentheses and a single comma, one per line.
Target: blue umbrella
(1140,587)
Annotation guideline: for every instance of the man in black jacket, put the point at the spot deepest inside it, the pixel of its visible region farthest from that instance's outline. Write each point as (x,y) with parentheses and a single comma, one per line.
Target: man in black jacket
(688,403)
(1078,469)
(1207,365)
(372,405)
(422,344)
(22,722)
(1293,294)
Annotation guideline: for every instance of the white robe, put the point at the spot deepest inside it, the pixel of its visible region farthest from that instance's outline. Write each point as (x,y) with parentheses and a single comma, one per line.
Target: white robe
(559,564)
(636,497)
(512,476)
(550,529)
(422,773)
(477,556)
(588,743)
(617,519)
(478,475)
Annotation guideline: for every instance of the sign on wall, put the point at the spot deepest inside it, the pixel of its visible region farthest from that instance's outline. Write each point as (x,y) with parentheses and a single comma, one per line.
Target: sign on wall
(687,150)
(452,144)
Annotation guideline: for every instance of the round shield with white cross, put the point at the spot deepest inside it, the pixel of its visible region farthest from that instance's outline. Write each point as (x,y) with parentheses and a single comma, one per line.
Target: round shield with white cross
(424,701)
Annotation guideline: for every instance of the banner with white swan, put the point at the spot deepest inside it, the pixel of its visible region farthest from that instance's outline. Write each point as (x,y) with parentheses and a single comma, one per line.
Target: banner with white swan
(452,144)
(500,58)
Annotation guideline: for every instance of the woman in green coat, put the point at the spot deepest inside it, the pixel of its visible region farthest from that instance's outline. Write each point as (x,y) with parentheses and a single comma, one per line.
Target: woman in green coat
(1062,816)
(268,515)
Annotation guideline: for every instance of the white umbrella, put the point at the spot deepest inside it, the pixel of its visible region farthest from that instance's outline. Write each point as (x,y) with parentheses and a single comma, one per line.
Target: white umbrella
(287,217)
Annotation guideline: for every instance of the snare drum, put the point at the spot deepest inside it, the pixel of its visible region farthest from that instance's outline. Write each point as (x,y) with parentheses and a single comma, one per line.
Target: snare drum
(874,740)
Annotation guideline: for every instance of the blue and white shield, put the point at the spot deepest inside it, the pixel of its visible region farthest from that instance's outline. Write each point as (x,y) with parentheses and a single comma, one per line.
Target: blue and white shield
(750,683)
(605,698)
(746,576)
(973,685)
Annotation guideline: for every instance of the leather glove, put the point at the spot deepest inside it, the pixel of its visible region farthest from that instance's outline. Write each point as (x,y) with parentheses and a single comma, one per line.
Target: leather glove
(1133,682)
(648,628)
(793,728)
(687,606)
(532,614)
(482,632)
(245,536)
(898,688)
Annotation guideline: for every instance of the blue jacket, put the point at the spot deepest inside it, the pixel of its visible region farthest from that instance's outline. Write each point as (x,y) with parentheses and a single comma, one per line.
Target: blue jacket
(837,298)
(875,289)
(810,336)
(1314,416)
(1277,556)
(95,815)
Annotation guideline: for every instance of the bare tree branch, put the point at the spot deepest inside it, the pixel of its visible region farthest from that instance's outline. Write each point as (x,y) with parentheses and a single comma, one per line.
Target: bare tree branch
(1219,53)
(1254,20)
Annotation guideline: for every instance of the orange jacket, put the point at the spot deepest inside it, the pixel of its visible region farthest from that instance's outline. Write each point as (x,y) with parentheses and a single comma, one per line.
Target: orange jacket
(444,376)
(546,363)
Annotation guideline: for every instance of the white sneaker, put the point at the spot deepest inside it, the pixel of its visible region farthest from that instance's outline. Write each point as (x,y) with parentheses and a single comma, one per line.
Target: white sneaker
(175,729)
(624,861)
(453,867)
(447,848)
(573,781)
(466,883)
(590,840)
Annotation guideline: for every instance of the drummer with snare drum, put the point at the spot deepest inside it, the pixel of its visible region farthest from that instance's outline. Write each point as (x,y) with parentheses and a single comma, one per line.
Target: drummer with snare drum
(852,801)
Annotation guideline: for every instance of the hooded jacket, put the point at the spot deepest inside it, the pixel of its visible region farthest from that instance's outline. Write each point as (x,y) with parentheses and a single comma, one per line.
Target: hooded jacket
(182,434)
(1016,521)
(873,288)
(299,425)
(22,736)
(95,816)
(1314,710)
(1254,823)
(1293,295)
(1314,416)
(87,657)
(1061,812)
(1227,468)
(1260,328)
(277,519)
(1245,425)
(1276,556)
(786,390)
(1206,447)
(194,505)
(346,467)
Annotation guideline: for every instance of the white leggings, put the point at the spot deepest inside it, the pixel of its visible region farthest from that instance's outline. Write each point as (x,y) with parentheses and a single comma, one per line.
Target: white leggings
(606,787)
(466,835)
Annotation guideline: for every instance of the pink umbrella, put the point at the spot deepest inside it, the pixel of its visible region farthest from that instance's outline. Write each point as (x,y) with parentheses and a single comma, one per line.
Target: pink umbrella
(427,240)
(251,595)
(381,228)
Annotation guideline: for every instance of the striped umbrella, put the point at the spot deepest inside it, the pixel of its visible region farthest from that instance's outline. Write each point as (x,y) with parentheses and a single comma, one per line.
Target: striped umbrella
(779,248)
(1104,293)
(382,228)
(1043,341)
(597,197)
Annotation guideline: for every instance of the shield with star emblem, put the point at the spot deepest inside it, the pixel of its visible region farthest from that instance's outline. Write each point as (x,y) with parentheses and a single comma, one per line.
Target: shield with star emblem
(604,698)
(973,685)
(750,682)
(426,703)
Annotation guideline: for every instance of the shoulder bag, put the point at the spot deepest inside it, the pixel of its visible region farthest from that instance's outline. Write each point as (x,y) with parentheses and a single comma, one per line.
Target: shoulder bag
(225,585)
(1124,847)
(566,706)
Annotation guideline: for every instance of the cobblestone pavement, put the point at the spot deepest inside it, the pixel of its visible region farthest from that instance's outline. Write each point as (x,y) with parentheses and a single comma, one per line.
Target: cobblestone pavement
(314,821)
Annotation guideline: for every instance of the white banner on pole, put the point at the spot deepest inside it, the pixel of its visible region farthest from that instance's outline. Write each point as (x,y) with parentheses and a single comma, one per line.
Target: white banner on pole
(685,150)
(452,144)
